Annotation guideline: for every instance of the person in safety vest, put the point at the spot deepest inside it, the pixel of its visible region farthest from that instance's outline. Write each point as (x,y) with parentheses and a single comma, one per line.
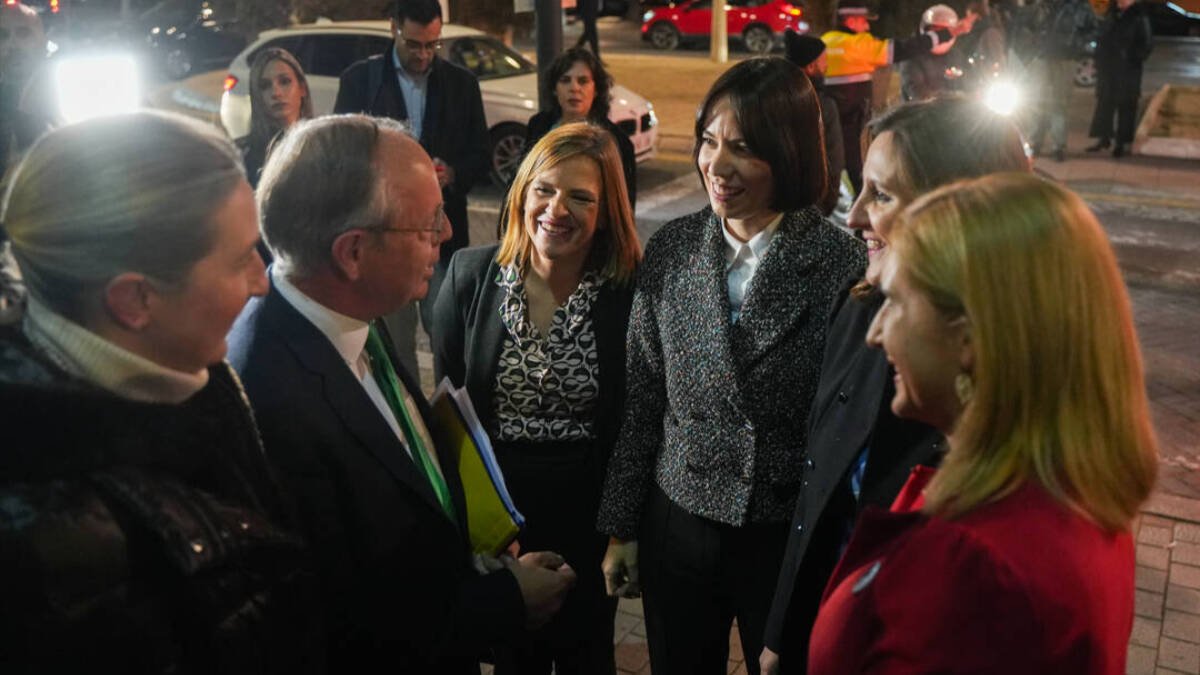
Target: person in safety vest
(853,55)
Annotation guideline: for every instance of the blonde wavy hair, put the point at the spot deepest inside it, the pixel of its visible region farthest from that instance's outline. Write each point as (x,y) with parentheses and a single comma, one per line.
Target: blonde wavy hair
(616,250)
(1059,394)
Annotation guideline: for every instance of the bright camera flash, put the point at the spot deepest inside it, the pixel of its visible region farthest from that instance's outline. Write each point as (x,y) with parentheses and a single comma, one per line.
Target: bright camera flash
(97,85)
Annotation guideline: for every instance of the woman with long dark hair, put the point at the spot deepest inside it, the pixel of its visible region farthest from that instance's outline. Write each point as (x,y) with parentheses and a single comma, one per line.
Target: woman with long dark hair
(579,90)
(279,97)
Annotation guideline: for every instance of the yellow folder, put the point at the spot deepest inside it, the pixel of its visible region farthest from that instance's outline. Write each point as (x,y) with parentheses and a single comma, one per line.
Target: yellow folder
(493,521)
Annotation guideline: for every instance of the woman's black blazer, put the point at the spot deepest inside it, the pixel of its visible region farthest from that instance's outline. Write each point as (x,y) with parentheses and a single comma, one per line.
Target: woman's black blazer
(468,334)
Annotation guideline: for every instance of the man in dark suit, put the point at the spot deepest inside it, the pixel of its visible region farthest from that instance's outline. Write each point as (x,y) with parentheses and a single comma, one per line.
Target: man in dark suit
(353,216)
(443,107)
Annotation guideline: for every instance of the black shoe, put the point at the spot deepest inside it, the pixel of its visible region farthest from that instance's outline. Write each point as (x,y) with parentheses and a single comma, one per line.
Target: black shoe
(1102,144)
(1060,155)
(1119,150)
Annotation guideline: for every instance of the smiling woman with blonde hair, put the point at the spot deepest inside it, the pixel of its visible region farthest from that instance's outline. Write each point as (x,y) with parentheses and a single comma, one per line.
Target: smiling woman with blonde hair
(1011,332)
(535,330)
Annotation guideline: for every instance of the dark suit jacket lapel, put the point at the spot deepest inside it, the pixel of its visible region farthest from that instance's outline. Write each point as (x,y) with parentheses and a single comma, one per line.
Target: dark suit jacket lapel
(346,397)
(435,98)
(486,333)
(776,299)
(391,100)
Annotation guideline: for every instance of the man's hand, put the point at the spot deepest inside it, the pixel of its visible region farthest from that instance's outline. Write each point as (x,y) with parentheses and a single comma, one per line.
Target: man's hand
(445,172)
(768,662)
(544,579)
(620,568)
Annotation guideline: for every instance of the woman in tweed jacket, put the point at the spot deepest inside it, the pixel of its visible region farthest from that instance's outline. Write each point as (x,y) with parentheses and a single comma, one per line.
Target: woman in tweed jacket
(725,343)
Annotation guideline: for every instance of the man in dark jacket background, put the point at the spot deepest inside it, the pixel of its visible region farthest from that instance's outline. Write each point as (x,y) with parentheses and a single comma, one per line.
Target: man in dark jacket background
(443,108)
(1124,44)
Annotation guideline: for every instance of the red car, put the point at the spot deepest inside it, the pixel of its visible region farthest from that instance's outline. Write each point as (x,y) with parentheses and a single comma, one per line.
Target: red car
(758,23)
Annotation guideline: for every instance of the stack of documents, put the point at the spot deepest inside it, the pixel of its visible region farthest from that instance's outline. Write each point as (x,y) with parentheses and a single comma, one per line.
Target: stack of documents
(492,519)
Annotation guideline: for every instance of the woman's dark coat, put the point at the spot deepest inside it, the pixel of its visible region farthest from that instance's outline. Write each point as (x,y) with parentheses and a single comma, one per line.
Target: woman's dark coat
(140,537)
(469,334)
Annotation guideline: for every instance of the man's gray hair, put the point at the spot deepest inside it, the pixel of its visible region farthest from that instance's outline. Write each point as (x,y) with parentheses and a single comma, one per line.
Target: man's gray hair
(320,181)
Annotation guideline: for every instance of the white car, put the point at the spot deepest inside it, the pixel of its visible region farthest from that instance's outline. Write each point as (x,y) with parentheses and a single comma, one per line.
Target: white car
(507,81)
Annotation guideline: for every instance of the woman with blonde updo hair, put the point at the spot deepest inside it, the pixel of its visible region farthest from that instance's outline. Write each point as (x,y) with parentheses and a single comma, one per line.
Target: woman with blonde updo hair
(1011,332)
(142,530)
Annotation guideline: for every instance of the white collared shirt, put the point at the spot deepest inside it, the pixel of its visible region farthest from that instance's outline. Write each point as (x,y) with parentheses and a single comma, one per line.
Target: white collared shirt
(741,262)
(415,89)
(90,357)
(349,337)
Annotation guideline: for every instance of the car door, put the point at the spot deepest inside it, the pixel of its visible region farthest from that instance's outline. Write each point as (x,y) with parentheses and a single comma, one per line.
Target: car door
(696,18)
(739,14)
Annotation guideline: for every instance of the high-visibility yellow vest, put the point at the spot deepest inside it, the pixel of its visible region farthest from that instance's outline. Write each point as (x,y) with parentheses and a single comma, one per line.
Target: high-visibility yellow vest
(854,56)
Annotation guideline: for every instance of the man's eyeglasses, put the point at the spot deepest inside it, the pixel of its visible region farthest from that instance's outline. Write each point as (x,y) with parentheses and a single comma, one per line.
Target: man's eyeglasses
(438,227)
(417,46)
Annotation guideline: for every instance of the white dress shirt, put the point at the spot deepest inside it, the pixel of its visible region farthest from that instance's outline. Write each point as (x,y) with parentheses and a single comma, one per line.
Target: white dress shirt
(349,337)
(741,262)
(415,89)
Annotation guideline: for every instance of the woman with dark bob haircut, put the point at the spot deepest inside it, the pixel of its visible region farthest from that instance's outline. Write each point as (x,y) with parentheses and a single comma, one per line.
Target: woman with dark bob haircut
(535,330)
(578,89)
(141,529)
(724,351)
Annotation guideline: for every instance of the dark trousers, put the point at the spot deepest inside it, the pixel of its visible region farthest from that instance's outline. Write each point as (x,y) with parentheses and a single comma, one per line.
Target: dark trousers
(697,577)
(854,108)
(587,11)
(1117,97)
(556,486)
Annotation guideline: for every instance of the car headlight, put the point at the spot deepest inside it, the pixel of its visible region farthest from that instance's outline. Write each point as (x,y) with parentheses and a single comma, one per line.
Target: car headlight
(648,15)
(1002,97)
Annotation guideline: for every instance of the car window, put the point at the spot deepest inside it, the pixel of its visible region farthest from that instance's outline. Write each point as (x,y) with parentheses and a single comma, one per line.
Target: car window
(331,54)
(292,43)
(486,57)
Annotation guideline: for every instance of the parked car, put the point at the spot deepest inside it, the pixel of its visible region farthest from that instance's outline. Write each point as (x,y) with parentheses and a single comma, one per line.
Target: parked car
(758,24)
(507,80)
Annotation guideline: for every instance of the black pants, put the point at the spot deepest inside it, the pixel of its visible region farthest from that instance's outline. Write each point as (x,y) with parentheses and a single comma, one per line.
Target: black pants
(697,577)
(1116,96)
(556,486)
(587,11)
(854,108)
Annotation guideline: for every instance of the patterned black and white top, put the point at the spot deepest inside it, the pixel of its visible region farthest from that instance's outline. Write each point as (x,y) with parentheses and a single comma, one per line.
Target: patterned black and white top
(546,387)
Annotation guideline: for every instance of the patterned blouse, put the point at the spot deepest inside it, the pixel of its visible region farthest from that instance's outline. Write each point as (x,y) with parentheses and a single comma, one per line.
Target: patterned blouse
(546,387)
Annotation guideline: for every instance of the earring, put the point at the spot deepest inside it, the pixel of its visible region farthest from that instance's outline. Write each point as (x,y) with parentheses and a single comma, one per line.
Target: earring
(964,388)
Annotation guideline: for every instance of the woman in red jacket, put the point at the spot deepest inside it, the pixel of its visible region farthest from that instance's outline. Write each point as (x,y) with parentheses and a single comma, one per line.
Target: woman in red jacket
(1011,332)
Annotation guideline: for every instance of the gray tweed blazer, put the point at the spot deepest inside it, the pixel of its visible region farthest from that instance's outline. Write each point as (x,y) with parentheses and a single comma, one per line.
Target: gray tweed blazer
(715,412)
